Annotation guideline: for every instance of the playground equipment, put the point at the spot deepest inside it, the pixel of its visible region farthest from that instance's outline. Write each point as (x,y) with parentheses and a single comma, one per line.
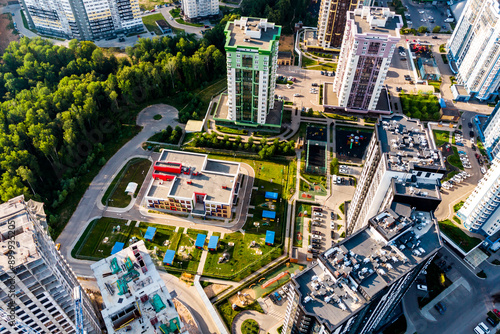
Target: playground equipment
(275,279)
(354,140)
(243,298)
(252,244)
(224,257)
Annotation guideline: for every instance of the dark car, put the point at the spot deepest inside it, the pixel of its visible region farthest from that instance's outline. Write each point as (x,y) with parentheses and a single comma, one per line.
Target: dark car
(122,39)
(316,232)
(473,147)
(314,84)
(317,209)
(332,215)
(207,26)
(458,131)
(440,307)
(332,234)
(471,134)
(469,125)
(435,37)
(492,321)
(316,246)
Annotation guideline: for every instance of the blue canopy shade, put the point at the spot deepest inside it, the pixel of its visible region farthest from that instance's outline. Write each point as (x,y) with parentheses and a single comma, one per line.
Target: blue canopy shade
(442,103)
(269,214)
(117,247)
(200,241)
(270,237)
(169,257)
(271,195)
(213,242)
(150,233)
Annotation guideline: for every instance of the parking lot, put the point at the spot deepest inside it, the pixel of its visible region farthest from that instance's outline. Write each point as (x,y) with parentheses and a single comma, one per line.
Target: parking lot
(426,15)
(302,87)
(324,231)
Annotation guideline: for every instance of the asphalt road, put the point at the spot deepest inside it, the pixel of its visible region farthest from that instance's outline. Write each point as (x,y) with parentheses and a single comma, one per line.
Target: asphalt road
(464,309)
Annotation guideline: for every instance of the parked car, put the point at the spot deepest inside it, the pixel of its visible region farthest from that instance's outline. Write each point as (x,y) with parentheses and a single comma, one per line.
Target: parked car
(492,321)
(332,215)
(332,224)
(435,37)
(316,232)
(440,307)
(471,134)
(497,312)
(422,287)
(469,125)
(332,234)
(481,328)
(314,84)
(318,214)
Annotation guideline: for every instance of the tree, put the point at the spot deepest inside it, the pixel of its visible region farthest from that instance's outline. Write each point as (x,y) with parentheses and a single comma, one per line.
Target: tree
(423,29)
(436,29)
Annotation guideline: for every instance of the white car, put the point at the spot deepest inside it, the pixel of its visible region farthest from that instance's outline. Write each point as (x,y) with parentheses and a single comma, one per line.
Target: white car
(296,95)
(422,287)
(332,224)
(423,20)
(421,11)
(481,328)
(318,214)
(431,18)
(483,170)
(316,236)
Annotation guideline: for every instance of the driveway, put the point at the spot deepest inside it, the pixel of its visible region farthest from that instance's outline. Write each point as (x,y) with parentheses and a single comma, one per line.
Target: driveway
(266,322)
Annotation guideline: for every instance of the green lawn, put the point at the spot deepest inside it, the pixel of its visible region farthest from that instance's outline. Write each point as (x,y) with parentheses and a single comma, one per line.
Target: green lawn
(135,171)
(181,21)
(454,159)
(436,85)
(175,12)
(441,137)
(323,67)
(149,22)
(458,206)
(306,62)
(299,222)
(250,326)
(458,236)
(225,129)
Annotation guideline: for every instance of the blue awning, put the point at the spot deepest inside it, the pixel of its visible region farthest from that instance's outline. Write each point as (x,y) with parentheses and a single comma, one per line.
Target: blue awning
(200,241)
(269,214)
(213,242)
(169,257)
(442,103)
(150,233)
(270,237)
(271,195)
(117,247)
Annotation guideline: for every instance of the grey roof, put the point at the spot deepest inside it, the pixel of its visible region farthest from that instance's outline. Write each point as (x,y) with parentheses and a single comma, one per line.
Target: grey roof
(390,28)
(239,38)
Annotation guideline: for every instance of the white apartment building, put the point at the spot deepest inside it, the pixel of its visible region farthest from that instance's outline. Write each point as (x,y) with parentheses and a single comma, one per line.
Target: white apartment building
(474,51)
(135,296)
(370,37)
(400,151)
(252,55)
(195,9)
(491,134)
(331,22)
(83,19)
(480,211)
(43,281)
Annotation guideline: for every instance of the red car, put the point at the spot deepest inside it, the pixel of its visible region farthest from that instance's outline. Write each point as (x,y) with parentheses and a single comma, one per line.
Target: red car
(138,36)
(497,312)
(207,26)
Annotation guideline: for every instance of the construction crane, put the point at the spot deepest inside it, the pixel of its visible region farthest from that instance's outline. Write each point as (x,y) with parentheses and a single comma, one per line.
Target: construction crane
(18,323)
(77,297)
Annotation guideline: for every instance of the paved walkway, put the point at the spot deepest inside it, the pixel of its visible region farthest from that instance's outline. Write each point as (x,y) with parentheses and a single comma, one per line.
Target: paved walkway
(265,322)
(203,258)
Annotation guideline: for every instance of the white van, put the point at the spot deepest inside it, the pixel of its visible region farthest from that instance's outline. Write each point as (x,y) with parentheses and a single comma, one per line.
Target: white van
(481,328)
(449,20)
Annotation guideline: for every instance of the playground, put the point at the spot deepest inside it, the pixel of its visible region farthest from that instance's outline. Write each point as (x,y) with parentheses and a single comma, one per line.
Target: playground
(316,133)
(352,142)
(274,279)
(309,191)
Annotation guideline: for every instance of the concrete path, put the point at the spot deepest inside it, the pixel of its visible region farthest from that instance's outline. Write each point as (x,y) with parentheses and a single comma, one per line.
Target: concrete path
(203,258)
(265,322)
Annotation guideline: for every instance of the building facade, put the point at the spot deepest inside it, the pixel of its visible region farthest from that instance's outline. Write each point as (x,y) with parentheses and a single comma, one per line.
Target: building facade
(370,37)
(332,21)
(196,9)
(401,150)
(480,211)
(491,134)
(190,183)
(135,296)
(83,19)
(358,283)
(474,50)
(43,281)
(252,56)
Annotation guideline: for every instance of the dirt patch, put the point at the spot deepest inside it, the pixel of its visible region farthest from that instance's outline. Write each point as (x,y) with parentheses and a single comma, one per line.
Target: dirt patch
(286,43)
(150,4)
(245,298)
(186,318)
(6,35)
(214,289)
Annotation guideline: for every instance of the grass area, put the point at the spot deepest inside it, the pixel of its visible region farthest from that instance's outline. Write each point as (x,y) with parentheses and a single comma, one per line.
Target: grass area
(454,159)
(157,117)
(341,207)
(187,255)
(175,12)
(25,22)
(458,236)
(437,282)
(436,85)
(250,326)
(149,22)
(300,209)
(441,137)
(423,106)
(228,314)
(480,147)
(134,171)
(458,206)
(306,62)
(397,327)
(188,137)
(167,136)
(66,210)
(225,129)
(181,21)
(331,67)
(336,116)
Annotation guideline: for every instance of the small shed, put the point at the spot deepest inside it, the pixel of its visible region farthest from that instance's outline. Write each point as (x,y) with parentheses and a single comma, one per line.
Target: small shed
(117,247)
(268,215)
(168,259)
(150,233)
(270,238)
(271,196)
(131,188)
(213,243)
(200,241)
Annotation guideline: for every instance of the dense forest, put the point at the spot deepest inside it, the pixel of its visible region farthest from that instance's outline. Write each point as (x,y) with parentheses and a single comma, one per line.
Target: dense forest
(59,106)
(283,12)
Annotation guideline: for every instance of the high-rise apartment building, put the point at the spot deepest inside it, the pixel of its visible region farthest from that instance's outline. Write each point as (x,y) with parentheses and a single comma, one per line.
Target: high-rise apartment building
(252,55)
(480,211)
(135,297)
(196,9)
(491,134)
(40,277)
(474,51)
(83,19)
(331,22)
(358,283)
(370,37)
(401,151)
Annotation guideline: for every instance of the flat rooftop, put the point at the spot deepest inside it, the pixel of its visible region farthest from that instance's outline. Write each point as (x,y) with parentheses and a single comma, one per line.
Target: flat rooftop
(391,26)
(417,189)
(407,144)
(14,213)
(214,175)
(244,35)
(355,270)
(147,297)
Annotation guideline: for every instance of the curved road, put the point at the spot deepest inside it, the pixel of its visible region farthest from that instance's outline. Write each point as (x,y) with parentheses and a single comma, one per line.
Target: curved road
(266,322)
